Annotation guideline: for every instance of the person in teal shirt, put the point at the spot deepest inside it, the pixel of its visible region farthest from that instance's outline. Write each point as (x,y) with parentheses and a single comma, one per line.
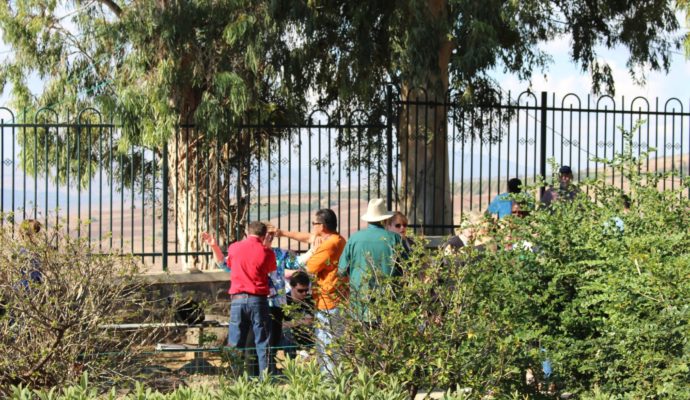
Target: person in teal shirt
(367,253)
(502,204)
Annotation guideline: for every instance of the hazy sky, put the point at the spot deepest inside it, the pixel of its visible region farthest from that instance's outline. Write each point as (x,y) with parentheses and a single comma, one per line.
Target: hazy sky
(563,77)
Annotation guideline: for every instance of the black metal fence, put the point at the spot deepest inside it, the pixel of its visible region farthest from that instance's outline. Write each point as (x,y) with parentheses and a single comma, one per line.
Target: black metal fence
(78,173)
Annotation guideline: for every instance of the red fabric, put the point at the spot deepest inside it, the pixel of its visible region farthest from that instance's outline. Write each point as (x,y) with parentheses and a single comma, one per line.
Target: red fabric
(250,263)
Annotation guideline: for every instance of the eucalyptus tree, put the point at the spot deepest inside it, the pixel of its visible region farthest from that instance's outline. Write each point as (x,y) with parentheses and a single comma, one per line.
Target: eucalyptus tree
(158,66)
(428,48)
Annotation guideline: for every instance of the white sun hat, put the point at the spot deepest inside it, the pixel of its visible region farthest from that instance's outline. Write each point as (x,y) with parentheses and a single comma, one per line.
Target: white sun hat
(376,211)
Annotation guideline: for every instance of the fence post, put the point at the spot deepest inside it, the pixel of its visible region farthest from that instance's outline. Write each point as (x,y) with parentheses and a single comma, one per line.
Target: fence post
(542,162)
(389,139)
(165,207)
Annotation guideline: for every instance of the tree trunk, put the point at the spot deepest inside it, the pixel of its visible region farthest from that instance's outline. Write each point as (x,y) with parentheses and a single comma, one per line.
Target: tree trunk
(423,138)
(207,183)
(202,183)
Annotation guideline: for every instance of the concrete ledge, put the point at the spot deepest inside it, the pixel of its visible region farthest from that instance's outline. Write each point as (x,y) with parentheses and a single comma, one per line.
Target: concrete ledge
(165,278)
(211,287)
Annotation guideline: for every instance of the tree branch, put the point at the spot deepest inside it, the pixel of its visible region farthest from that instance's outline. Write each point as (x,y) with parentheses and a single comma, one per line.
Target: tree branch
(112,6)
(48,356)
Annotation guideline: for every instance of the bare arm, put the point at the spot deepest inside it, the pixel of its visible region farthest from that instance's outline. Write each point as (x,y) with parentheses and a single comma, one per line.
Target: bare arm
(299,236)
(211,242)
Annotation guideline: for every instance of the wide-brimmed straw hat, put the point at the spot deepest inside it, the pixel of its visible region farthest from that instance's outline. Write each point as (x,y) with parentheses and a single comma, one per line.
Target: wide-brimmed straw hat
(376,211)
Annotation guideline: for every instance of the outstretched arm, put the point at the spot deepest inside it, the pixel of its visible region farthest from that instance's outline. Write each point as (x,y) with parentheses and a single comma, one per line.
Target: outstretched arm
(210,240)
(299,236)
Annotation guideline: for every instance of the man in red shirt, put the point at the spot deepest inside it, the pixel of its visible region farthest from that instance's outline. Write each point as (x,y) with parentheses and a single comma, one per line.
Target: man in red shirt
(250,260)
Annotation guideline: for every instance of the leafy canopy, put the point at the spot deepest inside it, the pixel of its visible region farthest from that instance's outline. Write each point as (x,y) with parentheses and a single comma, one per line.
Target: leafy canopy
(161,63)
(353,48)
(154,64)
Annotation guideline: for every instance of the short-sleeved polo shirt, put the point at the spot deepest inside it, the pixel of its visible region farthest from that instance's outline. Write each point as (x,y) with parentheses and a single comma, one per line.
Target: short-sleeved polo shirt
(250,263)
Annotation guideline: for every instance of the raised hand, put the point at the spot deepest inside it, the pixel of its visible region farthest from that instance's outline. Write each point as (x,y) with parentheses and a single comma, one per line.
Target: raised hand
(209,239)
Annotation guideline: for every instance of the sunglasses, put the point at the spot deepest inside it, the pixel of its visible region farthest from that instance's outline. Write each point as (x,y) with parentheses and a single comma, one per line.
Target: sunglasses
(317,223)
(301,290)
(400,225)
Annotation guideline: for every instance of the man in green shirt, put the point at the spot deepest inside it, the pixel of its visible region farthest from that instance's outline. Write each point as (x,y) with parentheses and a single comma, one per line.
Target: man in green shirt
(368,254)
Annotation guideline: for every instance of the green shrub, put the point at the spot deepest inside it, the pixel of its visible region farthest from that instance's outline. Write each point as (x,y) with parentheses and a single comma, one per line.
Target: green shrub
(447,321)
(607,306)
(301,382)
(611,304)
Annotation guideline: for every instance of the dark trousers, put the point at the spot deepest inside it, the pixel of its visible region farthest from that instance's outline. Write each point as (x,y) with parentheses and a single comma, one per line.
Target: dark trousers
(275,336)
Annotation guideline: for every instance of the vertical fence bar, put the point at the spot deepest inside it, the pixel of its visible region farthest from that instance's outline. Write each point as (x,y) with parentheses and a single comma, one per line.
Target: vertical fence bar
(589,124)
(289,167)
(500,140)
(349,184)
(35,204)
(90,171)
(436,130)
(622,175)
(462,165)
(100,187)
(78,129)
(319,166)
(389,155)
(452,137)
(46,175)
(67,169)
(198,156)
(340,184)
(542,161)
(14,169)
(489,145)
(299,181)
(330,167)
(186,191)
(472,117)
(2,170)
(279,159)
(527,120)
(218,185)
(177,185)
(131,177)
(143,204)
(239,186)
(24,174)
(426,157)
(110,179)
(481,160)
(536,147)
(206,170)
(359,175)
(122,203)
(673,149)
(153,206)
(164,235)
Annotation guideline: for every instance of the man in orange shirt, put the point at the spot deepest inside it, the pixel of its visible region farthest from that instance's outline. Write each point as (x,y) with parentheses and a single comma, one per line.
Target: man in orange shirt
(327,247)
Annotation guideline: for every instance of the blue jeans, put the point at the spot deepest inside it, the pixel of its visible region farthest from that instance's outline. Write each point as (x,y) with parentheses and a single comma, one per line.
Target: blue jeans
(250,313)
